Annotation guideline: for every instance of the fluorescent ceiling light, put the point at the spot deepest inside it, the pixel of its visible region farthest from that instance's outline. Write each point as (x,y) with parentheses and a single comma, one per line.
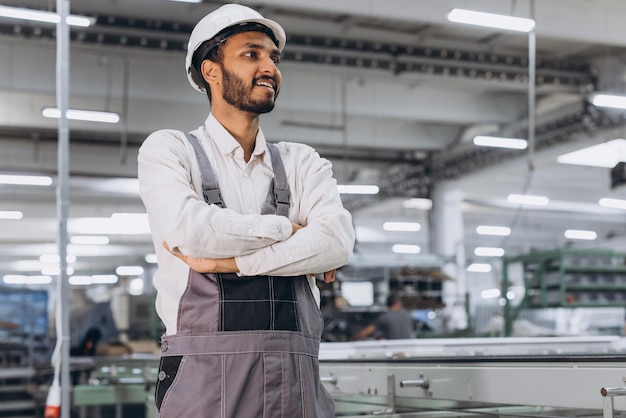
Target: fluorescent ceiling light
(19,279)
(136,223)
(406,249)
(84,115)
(499,142)
(80,21)
(55,270)
(96,279)
(104,279)
(510,295)
(80,280)
(117,224)
(129,217)
(25,180)
(489,251)
(151,258)
(188,1)
(129,270)
(55,258)
(479,267)
(615,101)
(117,185)
(11,214)
(357,189)
(90,239)
(580,234)
(612,203)
(606,155)
(43,16)
(490,293)
(369,234)
(418,203)
(25,266)
(528,199)
(135,287)
(518,24)
(402,226)
(501,231)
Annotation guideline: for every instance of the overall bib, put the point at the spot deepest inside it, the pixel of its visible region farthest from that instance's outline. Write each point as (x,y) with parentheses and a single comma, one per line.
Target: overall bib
(246,347)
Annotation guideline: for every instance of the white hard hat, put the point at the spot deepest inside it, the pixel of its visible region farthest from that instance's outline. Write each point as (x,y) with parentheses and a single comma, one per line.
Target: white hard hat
(229,15)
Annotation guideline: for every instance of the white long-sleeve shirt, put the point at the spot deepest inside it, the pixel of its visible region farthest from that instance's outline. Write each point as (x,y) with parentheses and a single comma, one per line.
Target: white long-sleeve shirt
(170,186)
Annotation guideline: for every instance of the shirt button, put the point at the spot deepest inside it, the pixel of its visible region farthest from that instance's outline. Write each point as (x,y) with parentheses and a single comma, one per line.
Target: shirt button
(246,175)
(250,210)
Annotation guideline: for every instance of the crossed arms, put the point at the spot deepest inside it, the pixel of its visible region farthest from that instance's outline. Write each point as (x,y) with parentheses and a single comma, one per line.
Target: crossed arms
(319,239)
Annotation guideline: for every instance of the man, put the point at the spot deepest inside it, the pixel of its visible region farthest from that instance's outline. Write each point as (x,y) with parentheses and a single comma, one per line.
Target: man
(394,324)
(240,226)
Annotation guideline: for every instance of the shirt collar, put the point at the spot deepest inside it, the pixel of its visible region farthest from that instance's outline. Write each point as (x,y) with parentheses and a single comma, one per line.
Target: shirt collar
(227,144)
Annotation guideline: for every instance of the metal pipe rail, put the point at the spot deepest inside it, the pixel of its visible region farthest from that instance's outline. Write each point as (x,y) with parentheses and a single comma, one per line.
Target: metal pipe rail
(557,381)
(608,407)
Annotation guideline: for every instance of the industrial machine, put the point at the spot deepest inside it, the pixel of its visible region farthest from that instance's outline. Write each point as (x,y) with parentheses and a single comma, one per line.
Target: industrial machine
(516,377)
(521,377)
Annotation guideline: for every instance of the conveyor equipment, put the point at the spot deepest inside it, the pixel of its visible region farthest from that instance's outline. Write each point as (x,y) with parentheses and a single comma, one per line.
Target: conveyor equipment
(430,378)
(518,377)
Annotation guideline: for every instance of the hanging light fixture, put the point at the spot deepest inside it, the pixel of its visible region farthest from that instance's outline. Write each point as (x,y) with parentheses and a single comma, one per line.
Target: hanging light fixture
(615,101)
(499,142)
(491,20)
(84,115)
(43,16)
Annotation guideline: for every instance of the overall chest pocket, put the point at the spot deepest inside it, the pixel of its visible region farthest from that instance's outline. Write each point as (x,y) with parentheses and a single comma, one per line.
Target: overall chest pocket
(257,303)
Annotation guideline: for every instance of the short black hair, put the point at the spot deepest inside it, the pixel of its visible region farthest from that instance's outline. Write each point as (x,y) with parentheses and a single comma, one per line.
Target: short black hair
(392,299)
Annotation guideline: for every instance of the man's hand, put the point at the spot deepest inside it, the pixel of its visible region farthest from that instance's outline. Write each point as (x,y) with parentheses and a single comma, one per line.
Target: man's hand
(206,265)
(295,228)
(223,265)
(329,276)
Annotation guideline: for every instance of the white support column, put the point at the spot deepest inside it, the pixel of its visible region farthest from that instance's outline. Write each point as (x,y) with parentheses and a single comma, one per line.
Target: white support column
(448,243)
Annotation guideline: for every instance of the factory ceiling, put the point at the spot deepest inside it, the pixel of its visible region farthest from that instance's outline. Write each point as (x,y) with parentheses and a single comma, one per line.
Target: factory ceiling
(390,91)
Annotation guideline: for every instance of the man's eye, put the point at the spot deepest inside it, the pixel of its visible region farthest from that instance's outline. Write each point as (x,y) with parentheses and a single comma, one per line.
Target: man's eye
(250,54)
(276,60)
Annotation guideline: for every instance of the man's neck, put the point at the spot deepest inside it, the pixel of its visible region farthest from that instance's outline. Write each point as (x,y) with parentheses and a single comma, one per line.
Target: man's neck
(243,126)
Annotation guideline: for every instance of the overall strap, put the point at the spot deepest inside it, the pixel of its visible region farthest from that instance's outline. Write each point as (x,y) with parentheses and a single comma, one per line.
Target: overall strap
(279,185)
(210,188)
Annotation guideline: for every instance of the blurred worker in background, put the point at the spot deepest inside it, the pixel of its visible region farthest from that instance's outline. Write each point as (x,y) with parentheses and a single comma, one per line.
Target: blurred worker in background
(394,324)
(240,226)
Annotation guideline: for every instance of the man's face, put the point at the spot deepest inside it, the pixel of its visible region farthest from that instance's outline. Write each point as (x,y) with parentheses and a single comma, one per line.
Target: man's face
(250,75)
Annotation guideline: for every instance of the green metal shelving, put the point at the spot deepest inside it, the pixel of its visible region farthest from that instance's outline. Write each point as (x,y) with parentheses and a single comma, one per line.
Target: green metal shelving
(572,278)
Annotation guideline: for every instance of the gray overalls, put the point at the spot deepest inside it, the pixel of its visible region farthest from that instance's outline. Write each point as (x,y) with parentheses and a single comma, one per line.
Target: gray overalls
(246,347)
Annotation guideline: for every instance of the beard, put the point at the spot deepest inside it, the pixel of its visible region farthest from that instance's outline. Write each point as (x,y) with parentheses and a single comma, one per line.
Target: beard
(238,94)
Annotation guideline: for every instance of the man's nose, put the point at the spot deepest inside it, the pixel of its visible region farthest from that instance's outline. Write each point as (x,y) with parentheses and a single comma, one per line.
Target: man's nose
(268,66)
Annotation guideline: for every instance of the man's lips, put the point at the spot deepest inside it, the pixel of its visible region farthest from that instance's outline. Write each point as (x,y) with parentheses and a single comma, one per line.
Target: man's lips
(266,83)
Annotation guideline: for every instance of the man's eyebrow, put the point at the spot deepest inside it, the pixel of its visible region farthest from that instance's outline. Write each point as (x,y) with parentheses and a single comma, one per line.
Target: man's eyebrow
(255,45)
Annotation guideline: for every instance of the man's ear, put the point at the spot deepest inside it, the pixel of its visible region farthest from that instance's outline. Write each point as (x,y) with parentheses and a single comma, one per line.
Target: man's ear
(210,71)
